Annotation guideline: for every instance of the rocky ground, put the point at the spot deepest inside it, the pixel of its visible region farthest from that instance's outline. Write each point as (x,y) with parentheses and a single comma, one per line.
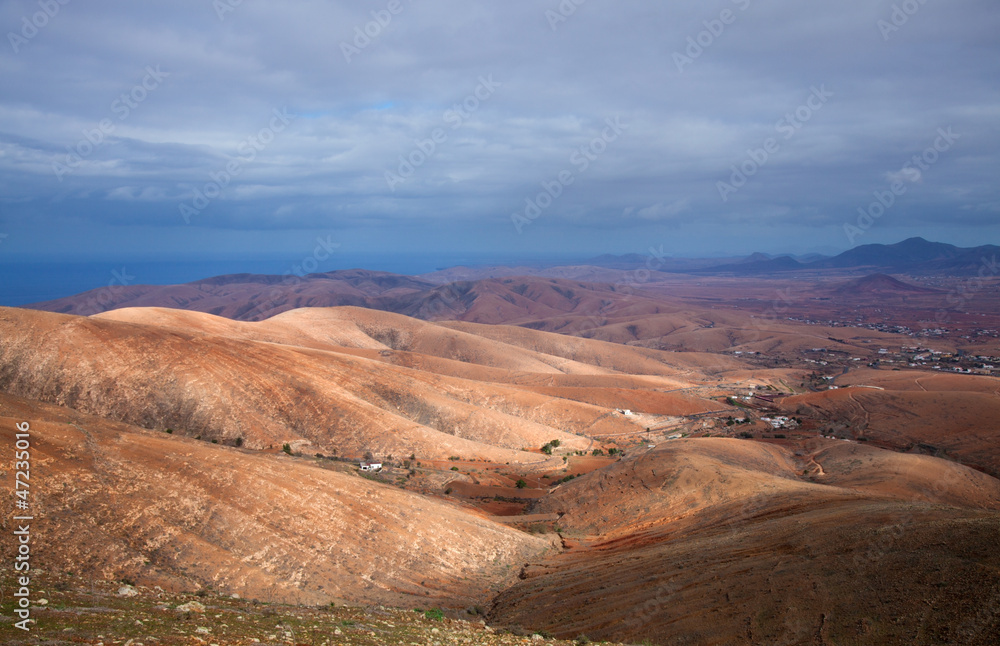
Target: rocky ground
(78,610)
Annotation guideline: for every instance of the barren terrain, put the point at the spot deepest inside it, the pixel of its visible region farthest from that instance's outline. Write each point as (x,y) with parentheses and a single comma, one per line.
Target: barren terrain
(678,459)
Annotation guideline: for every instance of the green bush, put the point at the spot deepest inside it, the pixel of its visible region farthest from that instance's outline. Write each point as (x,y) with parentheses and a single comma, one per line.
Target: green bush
(434,613)
(287,448)
(454,468)
(521,484)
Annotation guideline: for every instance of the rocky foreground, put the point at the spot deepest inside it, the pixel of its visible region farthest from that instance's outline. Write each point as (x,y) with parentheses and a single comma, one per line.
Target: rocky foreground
(76,610)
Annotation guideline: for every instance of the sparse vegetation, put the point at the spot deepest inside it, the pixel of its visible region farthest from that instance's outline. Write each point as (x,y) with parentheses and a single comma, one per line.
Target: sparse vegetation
(521,483)
(287,448)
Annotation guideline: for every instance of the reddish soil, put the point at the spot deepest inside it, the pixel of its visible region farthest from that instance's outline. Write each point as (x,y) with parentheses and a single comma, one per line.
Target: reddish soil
(727,541)
(116,501)
(802,540)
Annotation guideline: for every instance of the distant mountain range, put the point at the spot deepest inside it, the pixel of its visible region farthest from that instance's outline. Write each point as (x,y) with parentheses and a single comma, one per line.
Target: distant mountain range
(912,256)
(499,294)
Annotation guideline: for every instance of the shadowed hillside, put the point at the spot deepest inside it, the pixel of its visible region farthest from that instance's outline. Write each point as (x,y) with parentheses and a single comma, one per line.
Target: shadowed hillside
(723,541)
(116,501)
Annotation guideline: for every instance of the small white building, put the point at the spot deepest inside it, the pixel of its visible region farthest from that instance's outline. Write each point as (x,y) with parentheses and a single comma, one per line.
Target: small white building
(371,466)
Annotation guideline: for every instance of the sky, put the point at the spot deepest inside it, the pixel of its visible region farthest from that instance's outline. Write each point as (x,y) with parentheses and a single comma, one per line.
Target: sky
(238,129)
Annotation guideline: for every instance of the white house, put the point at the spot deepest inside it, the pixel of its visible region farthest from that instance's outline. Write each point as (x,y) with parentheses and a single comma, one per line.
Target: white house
(371,466)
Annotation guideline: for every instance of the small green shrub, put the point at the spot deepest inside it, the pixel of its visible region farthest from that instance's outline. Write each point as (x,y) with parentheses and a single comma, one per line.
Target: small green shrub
(434,614)
(287,448)
(521,484)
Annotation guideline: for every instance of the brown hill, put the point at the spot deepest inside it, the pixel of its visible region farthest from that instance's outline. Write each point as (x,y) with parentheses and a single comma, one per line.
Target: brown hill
(330,381)
(116,501)
(880,284)
(725,541)
(248,296)
(947,417)
(705,315)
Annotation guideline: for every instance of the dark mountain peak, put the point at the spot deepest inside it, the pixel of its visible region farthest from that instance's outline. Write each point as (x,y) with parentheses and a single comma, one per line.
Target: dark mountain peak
(758,267)
(881,284)
(899,256)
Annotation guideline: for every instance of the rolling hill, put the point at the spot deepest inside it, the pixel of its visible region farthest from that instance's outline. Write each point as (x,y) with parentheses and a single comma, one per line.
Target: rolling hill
(726,541)
(123,502)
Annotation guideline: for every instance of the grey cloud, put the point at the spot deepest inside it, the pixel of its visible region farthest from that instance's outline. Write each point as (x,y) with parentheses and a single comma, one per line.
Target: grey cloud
(353,121)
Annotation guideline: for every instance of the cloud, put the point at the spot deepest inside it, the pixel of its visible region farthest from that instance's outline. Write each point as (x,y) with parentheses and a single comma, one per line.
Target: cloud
(906,174)
(662,211)
(223,79)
